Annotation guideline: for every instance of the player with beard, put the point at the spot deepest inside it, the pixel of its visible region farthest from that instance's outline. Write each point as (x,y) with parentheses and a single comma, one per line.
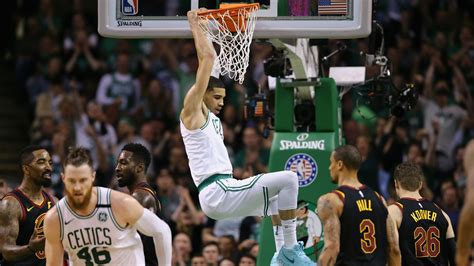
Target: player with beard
(23,210)
(97,225)
(130,171)
(357,227)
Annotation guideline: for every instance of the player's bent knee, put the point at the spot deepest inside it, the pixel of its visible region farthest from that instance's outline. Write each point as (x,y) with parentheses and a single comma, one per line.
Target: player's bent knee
(213,213)
(292,178)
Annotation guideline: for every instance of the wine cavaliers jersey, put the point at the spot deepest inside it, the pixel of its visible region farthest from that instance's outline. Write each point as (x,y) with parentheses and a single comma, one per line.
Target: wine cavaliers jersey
(148,244)
(363,238)
(146,187)
(422,233)
(97,238)
(32,219)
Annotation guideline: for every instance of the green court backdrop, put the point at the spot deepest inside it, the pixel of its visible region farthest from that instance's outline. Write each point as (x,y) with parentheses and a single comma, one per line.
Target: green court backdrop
(307,154)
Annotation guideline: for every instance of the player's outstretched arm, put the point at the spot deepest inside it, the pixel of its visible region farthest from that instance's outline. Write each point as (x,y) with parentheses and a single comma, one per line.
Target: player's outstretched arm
(329,210)
(192,114)
(132,213)
(10,215)
(54,248)
(465,232)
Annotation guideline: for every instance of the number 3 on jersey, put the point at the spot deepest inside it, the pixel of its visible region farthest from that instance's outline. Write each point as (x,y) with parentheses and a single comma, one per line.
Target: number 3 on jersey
(368,242)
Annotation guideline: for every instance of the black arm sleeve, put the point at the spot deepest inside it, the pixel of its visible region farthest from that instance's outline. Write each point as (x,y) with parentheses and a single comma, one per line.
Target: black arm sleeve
(451,250)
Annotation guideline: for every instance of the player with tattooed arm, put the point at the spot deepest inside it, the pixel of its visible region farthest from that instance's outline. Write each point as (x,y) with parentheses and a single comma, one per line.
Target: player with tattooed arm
(357,227)
(22,211)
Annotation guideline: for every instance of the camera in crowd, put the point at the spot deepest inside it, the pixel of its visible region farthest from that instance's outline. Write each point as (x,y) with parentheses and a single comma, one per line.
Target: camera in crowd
(382,92)
(278,65)
(403,100)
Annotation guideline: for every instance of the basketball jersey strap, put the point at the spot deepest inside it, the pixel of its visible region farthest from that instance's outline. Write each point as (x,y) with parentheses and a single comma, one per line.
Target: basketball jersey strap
(339,194)
(144,186)
(103,198)
(49,197)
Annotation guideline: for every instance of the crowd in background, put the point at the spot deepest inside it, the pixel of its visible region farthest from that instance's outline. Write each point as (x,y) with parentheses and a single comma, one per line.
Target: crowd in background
(100,93)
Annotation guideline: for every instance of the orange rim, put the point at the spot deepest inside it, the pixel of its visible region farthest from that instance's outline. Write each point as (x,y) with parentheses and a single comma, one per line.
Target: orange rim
(233,8)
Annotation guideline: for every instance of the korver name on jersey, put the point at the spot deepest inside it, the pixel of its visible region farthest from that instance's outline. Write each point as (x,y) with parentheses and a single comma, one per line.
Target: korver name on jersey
(424,215)
(93,236)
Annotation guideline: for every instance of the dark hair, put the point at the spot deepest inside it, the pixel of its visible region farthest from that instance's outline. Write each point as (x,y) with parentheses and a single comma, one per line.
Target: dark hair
(442,92)
(248,256)
(211,243)
(77,157)
(415,143)
(140,153)
(56,81)
(123,52)
(302,204)
(349,155)
(231,237)
(214,83)
(409,175)
(26,154)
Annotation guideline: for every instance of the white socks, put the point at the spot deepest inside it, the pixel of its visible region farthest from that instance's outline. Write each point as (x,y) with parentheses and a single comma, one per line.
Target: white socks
(289,232)
(278,235)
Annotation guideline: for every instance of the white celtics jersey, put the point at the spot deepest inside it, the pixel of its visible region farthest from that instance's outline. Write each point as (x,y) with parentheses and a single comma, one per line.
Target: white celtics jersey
(205,148)
(97,238)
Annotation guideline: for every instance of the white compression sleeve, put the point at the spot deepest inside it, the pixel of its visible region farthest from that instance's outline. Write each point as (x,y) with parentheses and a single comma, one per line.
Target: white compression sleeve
(149,224)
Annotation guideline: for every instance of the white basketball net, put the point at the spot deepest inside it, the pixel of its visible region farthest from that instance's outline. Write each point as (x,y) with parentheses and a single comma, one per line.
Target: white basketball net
(234,52)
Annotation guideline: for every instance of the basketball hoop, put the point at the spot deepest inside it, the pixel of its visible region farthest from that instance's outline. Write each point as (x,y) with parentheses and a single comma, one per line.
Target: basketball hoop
(231,27)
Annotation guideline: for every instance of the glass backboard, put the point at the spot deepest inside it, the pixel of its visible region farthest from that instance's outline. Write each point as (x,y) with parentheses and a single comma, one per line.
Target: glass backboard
(317,19)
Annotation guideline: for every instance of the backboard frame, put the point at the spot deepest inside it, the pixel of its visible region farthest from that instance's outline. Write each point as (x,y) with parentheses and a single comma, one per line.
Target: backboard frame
(266,27)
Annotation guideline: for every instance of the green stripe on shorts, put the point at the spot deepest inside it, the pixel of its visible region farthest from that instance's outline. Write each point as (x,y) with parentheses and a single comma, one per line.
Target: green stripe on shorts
(238,188)
(265,201)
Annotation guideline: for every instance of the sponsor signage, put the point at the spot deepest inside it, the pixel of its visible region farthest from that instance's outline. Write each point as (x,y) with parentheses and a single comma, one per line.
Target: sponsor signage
(302,142)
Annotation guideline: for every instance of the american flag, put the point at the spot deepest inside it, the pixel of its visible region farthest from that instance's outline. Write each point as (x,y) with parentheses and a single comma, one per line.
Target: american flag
(332,7)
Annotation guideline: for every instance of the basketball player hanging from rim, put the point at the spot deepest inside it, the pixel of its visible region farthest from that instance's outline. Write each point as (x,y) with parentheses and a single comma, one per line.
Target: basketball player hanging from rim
(221,196)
